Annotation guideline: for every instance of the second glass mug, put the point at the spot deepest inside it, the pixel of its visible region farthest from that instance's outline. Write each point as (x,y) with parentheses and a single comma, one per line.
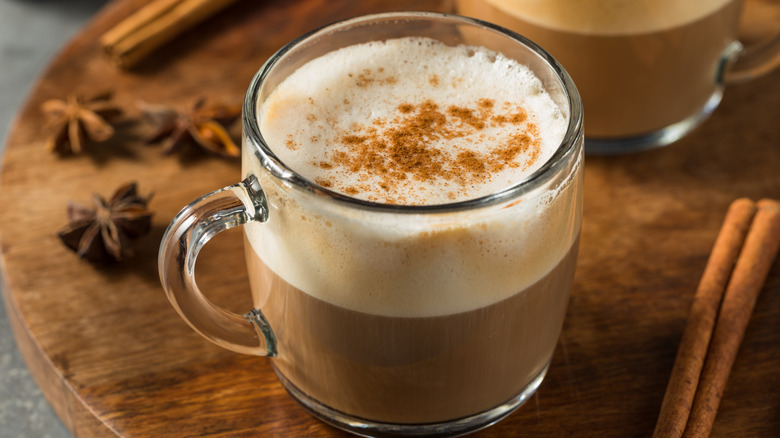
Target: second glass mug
(413,370)
(649,71)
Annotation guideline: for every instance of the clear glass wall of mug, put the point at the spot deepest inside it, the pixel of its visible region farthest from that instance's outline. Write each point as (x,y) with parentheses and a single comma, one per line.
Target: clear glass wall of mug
(648,71)
(425,319)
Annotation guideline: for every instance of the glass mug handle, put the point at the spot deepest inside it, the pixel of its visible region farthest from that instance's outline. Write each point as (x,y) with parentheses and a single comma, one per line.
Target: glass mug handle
(747,62)
(189,231)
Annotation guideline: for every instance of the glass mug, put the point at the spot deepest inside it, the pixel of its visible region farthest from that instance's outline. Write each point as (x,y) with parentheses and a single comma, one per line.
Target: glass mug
(649,71)
(385,361)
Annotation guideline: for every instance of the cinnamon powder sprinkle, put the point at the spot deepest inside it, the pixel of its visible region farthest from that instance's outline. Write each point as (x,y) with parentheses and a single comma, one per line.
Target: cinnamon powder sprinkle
(367,78)
(351,191)
(406,147)
(467,116)
(324,182)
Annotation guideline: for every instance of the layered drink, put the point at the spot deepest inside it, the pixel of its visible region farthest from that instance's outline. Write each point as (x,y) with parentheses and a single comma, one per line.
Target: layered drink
(395,314)
(640,65)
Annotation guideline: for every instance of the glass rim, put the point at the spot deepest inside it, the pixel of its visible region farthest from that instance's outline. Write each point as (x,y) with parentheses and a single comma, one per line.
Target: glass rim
(271,163)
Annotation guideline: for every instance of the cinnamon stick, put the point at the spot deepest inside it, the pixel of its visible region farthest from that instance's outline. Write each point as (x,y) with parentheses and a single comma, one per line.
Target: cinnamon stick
(755,261)
(154,25)
(692,351)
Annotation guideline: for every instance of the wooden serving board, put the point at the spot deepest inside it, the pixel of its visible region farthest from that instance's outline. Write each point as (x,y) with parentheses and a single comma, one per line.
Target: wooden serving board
(113,357)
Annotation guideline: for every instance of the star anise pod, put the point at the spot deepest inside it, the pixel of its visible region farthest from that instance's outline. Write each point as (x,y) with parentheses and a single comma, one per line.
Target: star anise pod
(203,126)
(101,233)
(72,121)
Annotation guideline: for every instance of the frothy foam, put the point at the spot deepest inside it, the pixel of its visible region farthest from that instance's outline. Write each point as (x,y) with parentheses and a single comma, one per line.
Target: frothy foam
(413,121)
(609,17)
(403,264)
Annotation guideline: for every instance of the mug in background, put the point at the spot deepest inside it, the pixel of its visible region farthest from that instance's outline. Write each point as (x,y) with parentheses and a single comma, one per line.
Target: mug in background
(648,71)
(393,319)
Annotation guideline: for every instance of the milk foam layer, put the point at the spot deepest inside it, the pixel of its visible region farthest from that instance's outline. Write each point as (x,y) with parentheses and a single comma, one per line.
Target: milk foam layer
(609,17)
(413,121)
(409,265)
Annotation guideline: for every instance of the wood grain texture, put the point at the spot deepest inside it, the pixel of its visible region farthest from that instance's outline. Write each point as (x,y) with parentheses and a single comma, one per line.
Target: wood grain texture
(114,359)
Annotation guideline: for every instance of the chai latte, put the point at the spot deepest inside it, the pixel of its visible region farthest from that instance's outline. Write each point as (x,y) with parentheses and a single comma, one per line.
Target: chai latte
(640,65)
(413,318)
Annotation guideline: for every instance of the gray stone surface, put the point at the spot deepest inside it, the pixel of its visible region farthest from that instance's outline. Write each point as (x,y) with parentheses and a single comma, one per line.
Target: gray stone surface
(31,32)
